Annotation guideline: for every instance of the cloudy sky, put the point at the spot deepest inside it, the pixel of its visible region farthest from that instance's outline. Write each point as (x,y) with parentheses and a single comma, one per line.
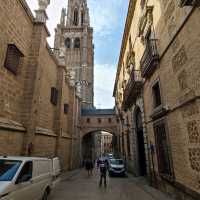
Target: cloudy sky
(108,19)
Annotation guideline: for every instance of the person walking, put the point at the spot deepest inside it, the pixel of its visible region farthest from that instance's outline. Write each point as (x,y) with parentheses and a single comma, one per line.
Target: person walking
(89,166)
(103,173)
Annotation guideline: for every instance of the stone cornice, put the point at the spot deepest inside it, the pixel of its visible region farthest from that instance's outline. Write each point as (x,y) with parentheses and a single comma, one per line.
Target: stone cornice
(11,125)
(129,18)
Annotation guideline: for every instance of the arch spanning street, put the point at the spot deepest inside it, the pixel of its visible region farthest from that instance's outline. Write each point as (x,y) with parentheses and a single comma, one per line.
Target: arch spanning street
(94,122)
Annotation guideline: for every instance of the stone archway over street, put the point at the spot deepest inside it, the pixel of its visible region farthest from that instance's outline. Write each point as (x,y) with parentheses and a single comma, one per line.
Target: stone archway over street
(98,120)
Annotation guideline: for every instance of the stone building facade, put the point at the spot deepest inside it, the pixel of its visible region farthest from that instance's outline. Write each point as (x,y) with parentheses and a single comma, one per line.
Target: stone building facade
(39,106)
(163,39)
(75,36)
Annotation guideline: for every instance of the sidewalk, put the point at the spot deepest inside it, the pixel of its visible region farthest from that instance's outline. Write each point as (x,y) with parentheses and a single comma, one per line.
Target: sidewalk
(142,183)
(69,174)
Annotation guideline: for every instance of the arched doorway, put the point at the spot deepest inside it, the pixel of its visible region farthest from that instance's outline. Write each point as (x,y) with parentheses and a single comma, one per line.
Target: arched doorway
(140,143)
(98,143)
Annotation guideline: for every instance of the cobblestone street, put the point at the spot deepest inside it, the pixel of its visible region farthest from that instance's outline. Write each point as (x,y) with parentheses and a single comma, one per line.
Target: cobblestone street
(79,186)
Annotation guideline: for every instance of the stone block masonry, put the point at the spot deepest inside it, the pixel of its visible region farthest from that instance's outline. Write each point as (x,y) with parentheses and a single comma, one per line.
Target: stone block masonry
(29,123)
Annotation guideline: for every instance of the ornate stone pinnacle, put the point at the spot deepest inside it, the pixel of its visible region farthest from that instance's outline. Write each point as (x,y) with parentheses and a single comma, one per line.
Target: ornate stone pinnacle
(43,4)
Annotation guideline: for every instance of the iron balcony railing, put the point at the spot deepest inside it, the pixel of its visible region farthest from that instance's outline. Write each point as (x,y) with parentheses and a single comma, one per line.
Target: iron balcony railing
(132,89)
(149,59)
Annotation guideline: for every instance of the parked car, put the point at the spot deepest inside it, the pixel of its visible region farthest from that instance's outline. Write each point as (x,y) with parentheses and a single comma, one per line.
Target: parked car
(110,156)
(27,178)
(116,167)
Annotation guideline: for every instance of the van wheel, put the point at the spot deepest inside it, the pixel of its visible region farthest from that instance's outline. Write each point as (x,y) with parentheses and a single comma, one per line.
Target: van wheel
(45,195)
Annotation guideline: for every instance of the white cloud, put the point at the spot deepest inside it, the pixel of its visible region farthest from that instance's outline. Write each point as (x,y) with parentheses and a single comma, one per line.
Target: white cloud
(103,85)
(105,15)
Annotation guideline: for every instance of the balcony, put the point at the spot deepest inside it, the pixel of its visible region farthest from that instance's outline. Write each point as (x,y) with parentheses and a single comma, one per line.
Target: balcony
(189,3)
(150,58)
(132,89)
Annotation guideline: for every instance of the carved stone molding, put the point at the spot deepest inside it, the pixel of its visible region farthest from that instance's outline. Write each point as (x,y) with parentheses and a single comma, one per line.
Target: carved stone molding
(193,132)
(194,157)
(145,22)
(179,59)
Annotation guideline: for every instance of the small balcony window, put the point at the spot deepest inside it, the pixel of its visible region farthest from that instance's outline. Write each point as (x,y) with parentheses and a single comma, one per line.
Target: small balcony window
(13,57)
(156,95)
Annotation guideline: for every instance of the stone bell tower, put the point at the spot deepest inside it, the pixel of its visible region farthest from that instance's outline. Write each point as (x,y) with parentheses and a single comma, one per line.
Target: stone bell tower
(75,37)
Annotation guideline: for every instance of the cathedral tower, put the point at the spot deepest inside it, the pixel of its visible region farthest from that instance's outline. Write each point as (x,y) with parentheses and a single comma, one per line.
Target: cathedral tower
(75,37)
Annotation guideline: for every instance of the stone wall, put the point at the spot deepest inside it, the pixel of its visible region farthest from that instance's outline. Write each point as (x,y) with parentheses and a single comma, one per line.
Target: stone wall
(27,116)
(174,30)
(178,74)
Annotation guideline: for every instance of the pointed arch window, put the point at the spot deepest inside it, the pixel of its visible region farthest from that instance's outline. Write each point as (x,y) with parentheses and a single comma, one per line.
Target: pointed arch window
(76,17)
(82,17)
(77,43)
(68,43)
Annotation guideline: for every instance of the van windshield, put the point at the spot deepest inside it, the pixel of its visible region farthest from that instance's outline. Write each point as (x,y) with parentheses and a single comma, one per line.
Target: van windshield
(117,162)
(8,169)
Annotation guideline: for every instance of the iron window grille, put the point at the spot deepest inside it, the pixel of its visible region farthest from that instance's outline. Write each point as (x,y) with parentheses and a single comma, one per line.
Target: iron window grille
(163,150)
(13,57)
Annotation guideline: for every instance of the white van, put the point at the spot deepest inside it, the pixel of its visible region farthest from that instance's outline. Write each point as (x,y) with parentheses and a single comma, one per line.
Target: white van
(27,178)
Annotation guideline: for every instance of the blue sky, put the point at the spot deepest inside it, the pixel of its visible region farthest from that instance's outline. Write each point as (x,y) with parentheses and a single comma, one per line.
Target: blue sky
(107,18)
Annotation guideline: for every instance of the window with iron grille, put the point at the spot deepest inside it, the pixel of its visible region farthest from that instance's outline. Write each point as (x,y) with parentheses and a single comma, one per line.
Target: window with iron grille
(54,96)
(162,147)
(156,95)
(66,108)
(13,57)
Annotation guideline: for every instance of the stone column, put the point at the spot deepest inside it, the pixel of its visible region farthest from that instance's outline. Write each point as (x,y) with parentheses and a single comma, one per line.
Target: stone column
(32,83)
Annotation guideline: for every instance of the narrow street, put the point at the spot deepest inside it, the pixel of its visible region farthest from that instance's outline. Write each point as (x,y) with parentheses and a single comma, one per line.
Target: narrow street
(79,186)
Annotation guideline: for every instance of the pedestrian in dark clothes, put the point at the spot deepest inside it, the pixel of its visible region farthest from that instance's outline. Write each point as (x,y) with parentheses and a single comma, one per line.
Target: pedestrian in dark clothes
(103,173)
(89,166)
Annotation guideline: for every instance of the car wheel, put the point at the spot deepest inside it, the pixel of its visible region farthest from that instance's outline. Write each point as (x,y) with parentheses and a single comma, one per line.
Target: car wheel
(45,195)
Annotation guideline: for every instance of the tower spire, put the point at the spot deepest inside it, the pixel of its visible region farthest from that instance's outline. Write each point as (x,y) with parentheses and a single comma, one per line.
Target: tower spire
(77,13)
